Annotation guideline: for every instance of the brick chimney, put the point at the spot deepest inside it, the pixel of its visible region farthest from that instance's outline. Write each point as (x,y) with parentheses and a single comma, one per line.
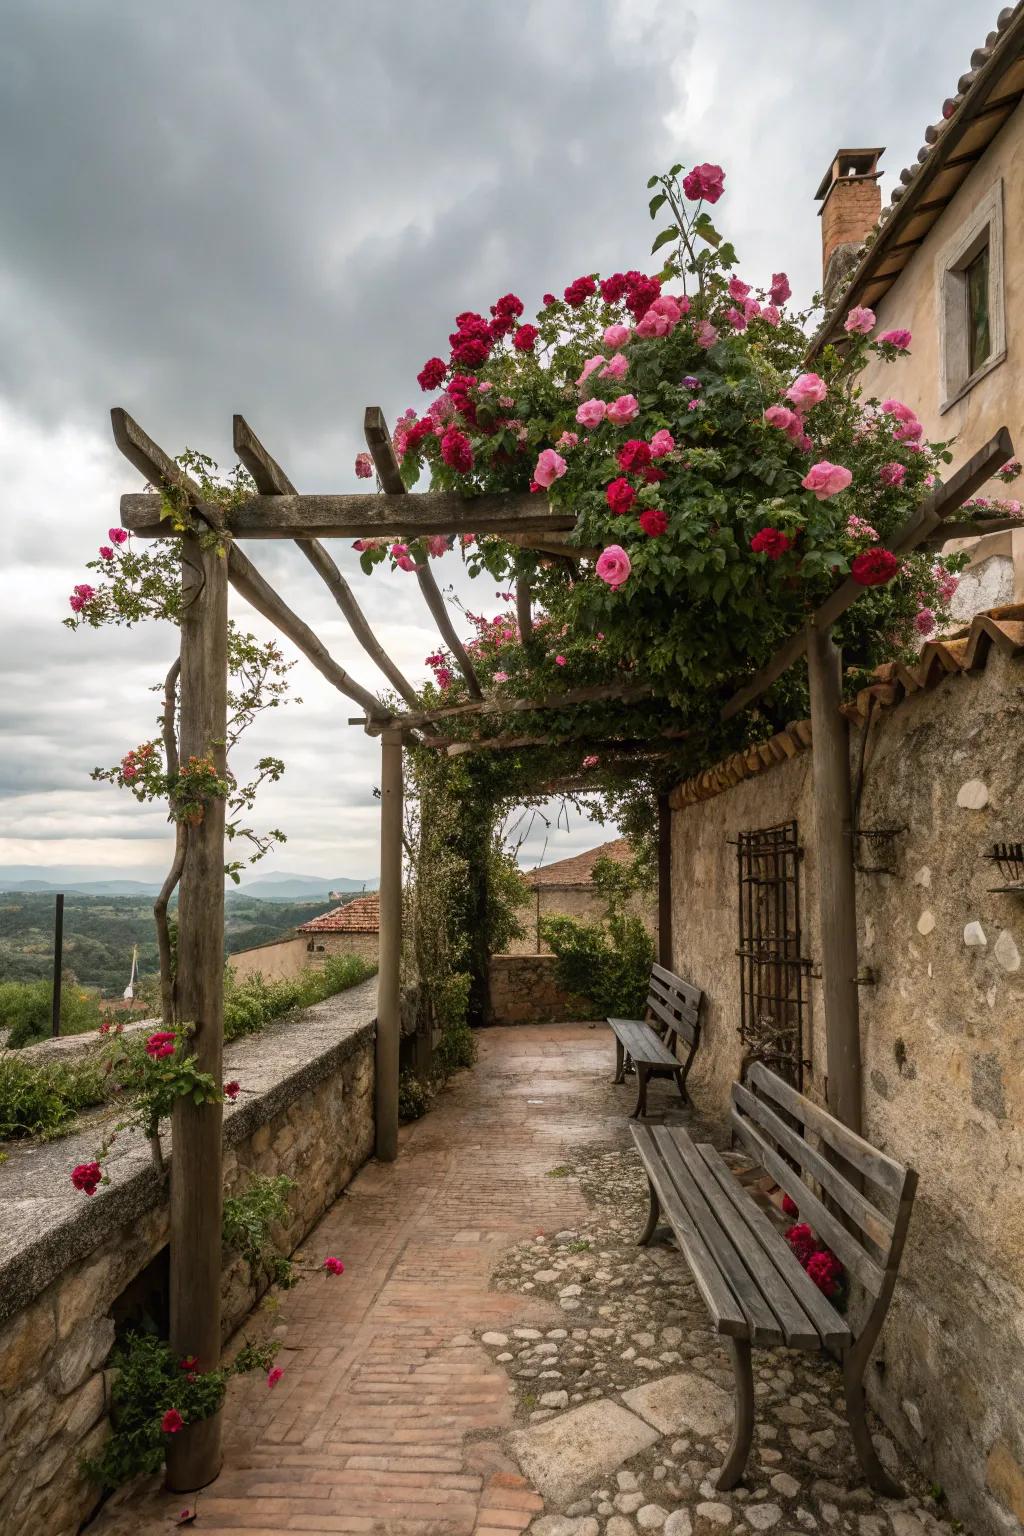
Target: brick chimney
(851,201)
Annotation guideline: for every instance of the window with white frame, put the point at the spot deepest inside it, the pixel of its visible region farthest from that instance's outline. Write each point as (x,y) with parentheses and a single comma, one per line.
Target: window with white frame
(972,323)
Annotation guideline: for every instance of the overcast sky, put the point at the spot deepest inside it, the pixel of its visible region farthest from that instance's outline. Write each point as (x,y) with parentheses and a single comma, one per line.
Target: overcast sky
(278,208)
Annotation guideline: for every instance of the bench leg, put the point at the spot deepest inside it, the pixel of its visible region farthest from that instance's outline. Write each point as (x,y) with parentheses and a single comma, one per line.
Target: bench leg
(743,1423)
(878,1478)
(684,1073)
(620,1062)
(641,1092)
(652,1218)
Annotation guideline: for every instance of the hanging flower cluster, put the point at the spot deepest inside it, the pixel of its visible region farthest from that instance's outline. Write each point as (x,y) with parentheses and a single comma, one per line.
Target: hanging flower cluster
(820,1262)
(721,487)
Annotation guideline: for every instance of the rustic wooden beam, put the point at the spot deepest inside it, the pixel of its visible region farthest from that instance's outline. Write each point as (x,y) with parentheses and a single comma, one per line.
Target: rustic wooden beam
(524,608)
(194,1455)
(378,440)
(918,530)
(837,892)
(664,883)
(390,948)
(271,480)
(515,743)
(975,529)
(159,469)
(625,693)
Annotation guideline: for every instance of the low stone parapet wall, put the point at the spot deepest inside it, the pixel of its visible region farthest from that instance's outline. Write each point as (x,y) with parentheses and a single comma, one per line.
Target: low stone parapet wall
(524,989)
(68,1263)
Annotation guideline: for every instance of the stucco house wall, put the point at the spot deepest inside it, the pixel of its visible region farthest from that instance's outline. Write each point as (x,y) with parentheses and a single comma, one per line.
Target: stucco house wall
(942,1023)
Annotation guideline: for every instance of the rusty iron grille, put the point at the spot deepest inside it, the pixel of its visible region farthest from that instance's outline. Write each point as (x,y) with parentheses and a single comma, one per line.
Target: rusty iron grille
(773,969)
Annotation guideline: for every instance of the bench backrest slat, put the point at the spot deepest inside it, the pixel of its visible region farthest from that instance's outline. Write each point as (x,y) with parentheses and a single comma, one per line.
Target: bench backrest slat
(768,1117)
(674,1003)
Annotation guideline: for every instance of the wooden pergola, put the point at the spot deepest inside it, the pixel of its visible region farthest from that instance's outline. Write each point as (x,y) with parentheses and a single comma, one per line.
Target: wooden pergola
(279,511)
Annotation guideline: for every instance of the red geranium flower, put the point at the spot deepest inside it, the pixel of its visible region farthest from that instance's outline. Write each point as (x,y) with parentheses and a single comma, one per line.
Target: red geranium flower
(171,1422)
(771,542)
(274,1376)
(161,1044)
(825,1270)
(801,1240)
(620,496)
(333,1266)
(789,1206)
(86,1177)
(874,567)
(653,522)
(232,1090)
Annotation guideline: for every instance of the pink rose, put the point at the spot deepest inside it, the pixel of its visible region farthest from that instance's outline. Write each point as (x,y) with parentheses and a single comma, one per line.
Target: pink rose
(550,467)
(909,432)
(616,367)
(117,535)
(704,181)
(809,389)
(780,290)
(613,566)
(860,321)
(751,309)
(899,410)
(364,466)
(826,479)
(591,413)
(588,368)
(567,440)
(770,315)
(616,336)
(623,410)
(736,318)
(899,339)
(738,289)
(924,621)
(591,761)
(661,443)
(661,318)
(782,417)
(705,334)
(892,474)
(559,661)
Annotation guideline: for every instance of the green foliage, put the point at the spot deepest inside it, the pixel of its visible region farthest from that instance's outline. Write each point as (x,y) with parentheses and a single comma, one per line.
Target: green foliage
(248,1219)
(414,1097)
(42,1098)
(150,1381)
(25,1011)
(251,1004)
(609,962)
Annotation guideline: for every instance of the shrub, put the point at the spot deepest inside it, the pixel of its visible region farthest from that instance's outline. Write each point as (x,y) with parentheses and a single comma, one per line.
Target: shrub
(26,1007)
(248,1219)
(252,1004)
(413,1097)
(41,1098)
(609,962)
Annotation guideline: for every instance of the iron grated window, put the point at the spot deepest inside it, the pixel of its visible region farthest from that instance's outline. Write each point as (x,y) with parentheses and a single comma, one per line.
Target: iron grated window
(773,971)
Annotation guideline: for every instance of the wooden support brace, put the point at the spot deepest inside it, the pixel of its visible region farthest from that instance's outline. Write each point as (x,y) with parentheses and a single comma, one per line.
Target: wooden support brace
(378,440)
(390,951)
(271,480)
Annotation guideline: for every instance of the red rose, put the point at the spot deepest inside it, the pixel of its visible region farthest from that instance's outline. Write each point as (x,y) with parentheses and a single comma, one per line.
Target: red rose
(642,293)
(874,567)
(232,1090)
(580,291)
(789,1206)
(525,338)
(704,181)
(431,375)
(548,300)
(171,1422)
(508,304)
(634,455)
(653,475)
(653,522)
(620,496)
(471,343)
(614,288)
(419,430)
(457,451)
(86,1177)
(825,1270)
(801,1240)
(771,542)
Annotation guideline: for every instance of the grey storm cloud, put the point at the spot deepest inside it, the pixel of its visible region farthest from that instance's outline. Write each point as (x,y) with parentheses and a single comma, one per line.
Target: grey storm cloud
(279,208)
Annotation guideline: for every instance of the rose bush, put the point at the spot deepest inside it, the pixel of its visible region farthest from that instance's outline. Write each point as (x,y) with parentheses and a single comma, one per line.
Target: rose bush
(721,488)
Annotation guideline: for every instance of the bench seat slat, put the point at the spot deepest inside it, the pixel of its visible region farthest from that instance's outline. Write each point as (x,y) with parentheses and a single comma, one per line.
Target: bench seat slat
(858,1152)
(675,1149)
(867,1216)
(642,1043)
(824,1319)
(857,1260)
(726,1313)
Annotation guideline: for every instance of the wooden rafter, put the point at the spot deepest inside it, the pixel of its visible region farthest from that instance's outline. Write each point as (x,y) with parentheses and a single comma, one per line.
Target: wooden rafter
(271,480)
(517,743)
(598,693)
(160,469)
(378,440)
(919,530)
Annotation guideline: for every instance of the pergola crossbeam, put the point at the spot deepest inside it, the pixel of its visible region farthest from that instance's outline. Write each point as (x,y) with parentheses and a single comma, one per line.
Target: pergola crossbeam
(598,693)
(382,451)
(160,469)
(271,480)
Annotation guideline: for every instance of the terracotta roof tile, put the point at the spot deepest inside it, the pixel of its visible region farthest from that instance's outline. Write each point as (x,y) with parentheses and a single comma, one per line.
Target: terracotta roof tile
(963,650)
(579,870)
(359,916)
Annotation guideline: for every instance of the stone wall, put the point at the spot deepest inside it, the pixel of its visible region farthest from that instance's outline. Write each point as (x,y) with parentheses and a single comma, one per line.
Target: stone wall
(942,1025)
(64,1260)
(280,960)
(524,989)
(325,944)
(577,901)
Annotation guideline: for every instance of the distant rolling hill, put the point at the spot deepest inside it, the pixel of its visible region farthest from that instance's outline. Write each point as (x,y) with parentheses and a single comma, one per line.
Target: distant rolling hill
(277,887)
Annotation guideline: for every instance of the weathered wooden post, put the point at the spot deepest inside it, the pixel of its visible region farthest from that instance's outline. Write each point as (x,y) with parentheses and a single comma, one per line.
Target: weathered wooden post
(194,1454)
(390,955)
(837,897)
(58,964)
(664,882)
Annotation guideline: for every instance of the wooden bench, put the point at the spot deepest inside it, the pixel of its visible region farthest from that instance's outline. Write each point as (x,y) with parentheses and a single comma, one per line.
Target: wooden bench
(675,1008)
(754,1287)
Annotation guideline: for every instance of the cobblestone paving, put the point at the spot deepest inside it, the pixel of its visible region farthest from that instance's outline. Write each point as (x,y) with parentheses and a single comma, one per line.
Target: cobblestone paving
(499,1355)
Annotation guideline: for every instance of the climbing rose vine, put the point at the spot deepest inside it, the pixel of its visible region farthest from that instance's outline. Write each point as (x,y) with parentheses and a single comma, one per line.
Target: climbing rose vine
(722,485)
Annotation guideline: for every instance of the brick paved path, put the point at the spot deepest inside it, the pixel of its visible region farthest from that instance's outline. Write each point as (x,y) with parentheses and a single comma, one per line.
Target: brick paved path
(386,1417)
